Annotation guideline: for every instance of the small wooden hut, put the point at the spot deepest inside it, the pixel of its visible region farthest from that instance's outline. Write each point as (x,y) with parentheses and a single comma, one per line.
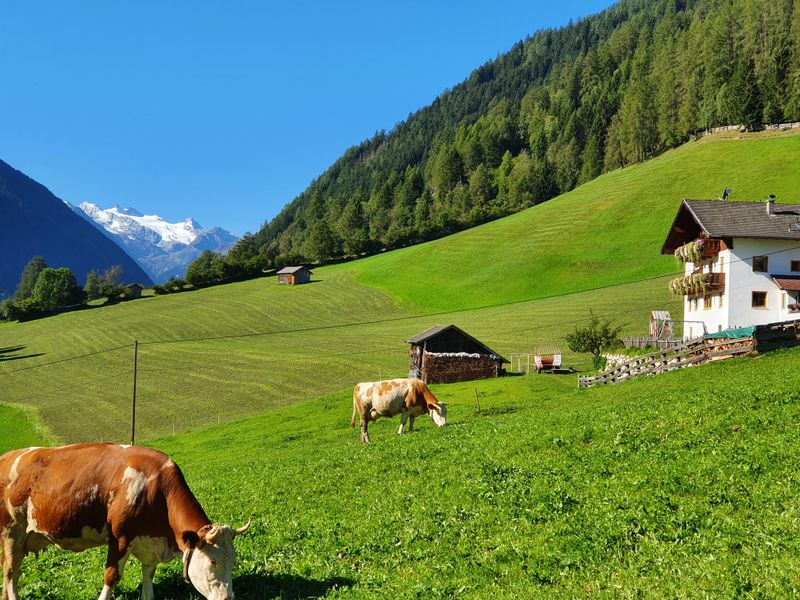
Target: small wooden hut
(446,354)
(660,325)
(294,275)
(132,290)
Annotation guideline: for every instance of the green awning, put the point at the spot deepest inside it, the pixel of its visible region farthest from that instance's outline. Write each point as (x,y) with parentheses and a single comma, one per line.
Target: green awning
(736,332)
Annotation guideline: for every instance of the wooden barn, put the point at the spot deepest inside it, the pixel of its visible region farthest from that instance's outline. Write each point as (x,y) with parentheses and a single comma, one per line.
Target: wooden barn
(294,275)
(446,354)
(132,290)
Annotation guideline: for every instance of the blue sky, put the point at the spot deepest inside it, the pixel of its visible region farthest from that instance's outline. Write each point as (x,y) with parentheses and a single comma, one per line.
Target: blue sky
(226,111)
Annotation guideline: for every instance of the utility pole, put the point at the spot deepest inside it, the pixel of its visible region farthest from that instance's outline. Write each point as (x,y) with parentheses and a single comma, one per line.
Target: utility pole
(133,407)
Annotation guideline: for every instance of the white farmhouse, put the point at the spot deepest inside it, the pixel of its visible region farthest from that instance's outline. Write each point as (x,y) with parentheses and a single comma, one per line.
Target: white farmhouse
(742,263)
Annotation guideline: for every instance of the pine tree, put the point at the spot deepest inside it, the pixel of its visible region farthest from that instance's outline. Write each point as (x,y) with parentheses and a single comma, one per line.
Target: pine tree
(94,286)
(29,276)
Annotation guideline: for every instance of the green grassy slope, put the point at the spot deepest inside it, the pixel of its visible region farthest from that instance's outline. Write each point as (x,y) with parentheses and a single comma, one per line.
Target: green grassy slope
(680,485)
(607,231)
(75,369)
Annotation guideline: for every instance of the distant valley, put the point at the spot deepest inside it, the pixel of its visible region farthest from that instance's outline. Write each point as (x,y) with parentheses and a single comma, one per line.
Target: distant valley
(161,248)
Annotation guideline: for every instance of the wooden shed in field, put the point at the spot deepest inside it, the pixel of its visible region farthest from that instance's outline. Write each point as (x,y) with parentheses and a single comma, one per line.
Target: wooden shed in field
(294,275)
(446,354)
(132,290)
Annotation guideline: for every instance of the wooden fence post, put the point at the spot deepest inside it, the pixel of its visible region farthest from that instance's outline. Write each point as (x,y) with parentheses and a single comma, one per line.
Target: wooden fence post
(133,404)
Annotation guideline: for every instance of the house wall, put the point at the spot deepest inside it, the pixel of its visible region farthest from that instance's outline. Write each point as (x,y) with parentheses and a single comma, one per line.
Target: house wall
(780,254)
(695,314)
(740,282)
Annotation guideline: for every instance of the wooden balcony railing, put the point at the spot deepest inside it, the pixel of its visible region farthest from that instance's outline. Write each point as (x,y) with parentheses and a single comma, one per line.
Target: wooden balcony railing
(711,248)
(698,284)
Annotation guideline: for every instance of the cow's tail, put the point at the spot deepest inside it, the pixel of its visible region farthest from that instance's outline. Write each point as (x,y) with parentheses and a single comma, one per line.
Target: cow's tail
(353,418)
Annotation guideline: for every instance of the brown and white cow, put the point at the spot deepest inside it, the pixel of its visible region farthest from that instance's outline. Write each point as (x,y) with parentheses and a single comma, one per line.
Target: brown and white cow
(406,397)
(132,499)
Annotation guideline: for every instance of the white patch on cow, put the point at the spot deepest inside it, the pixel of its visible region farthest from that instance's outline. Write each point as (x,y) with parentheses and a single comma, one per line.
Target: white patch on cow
(13,474)
(124,446)
(152,550)
(90,538)
(167,465)
(92,494)
(32,524)
(137,483)
(439,414)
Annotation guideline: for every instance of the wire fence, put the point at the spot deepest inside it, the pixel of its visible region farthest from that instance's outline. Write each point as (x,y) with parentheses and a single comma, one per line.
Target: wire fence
(195,382)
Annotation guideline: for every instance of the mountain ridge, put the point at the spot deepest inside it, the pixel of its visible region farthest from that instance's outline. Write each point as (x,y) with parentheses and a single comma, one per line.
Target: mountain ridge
(161,248)
(33,221)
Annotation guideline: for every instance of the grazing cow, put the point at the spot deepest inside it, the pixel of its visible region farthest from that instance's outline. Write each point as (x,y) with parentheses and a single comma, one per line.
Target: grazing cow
(132,499)
(406,397)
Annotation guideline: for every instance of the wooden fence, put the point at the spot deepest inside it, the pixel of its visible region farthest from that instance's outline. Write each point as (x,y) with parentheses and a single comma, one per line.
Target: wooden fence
(766,127)
(685,355)
(773,336)
(777,335)
(645,341)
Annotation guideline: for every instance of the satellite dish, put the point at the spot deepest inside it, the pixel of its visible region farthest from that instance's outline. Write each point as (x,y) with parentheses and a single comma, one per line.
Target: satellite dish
(726,192)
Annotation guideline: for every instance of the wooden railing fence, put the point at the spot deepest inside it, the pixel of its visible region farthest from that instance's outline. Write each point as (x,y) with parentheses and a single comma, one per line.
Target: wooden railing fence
(685,355)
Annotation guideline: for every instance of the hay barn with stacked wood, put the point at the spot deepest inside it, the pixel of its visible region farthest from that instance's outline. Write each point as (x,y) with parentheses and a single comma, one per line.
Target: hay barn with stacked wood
(447,354)
(294,275)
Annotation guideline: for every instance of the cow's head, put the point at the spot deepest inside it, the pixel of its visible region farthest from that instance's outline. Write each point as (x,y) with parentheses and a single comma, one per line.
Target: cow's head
(208,560)
(439,413)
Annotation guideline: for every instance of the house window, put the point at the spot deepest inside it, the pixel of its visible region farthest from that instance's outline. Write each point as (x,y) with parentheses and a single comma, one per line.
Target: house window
(783,301)
(707,303)
(760,264)
(759,300)
(795,266)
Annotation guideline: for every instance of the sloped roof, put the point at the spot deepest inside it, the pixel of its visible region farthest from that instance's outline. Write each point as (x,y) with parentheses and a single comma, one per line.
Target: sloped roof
(292,270)
(438,329)
(726,219)
(746,219)
(790,283)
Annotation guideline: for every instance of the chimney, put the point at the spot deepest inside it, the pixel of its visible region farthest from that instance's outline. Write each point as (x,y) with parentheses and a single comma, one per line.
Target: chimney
(770,204)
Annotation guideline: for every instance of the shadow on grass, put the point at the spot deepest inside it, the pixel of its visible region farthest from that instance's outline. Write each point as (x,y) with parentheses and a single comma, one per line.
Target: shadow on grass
(6,353)
(251,586)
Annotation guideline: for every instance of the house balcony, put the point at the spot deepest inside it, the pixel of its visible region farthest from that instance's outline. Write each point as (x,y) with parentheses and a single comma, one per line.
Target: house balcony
(698,250)
(698,284)
(710,248)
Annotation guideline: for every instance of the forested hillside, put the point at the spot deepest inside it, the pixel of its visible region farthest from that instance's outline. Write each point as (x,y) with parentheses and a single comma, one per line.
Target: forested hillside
(555,111)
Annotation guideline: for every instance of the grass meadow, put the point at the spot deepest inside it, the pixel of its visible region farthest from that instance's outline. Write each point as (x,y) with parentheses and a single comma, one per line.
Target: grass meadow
(217,354)
(680,486)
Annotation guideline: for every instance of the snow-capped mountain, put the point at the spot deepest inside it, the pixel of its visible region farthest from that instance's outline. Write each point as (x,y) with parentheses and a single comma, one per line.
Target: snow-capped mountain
(162,249)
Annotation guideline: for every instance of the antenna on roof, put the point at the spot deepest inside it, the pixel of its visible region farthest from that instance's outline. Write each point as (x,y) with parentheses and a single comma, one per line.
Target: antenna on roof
(726,192)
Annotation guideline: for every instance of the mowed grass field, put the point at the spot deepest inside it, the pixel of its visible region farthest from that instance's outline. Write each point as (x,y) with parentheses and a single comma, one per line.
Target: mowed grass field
(218,354)
(608,231)
(678,486)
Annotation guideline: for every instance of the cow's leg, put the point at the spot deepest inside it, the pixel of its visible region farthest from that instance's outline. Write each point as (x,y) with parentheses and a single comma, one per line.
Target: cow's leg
(148,572)
(13,553)
(403,419)
(411,423)
(364,424)
(115,566)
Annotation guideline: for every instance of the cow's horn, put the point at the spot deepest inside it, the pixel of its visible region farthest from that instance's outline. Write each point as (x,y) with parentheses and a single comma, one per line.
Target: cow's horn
(243,528)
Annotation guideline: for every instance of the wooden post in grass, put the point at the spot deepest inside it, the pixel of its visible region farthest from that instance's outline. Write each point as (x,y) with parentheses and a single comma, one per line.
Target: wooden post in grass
(477,401)
(133,407)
